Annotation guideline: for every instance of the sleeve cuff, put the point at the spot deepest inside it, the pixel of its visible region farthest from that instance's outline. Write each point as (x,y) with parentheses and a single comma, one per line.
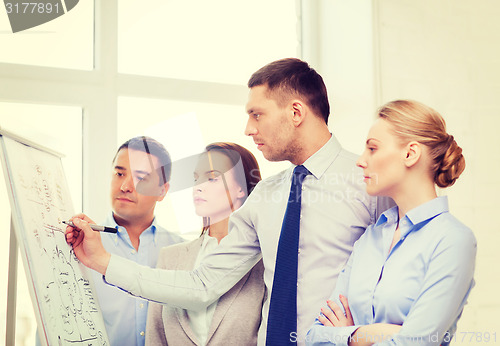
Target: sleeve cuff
(322,335)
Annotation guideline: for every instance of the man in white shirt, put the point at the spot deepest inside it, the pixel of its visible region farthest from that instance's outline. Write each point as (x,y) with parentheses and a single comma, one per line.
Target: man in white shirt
(139,238)
(288,113)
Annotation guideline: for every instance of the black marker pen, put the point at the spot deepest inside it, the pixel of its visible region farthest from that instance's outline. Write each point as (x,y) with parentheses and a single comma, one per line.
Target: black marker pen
(95,227)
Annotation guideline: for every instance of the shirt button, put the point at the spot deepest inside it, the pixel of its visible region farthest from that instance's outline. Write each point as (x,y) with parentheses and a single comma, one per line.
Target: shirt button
(133,252)
(303,187)
(299,250)
(141,305)
(142,333)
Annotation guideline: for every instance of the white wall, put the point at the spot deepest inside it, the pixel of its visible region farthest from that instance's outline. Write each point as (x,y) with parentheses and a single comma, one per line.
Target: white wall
(445,54)
(346,60)
(338,43)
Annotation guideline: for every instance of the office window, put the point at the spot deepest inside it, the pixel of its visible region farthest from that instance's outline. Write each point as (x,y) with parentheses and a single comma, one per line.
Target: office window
(218,41)
(65,42)
(185,128)
(204,53)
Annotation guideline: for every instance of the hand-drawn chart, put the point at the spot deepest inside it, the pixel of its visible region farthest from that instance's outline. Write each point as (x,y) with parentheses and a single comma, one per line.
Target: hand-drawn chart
(61,290)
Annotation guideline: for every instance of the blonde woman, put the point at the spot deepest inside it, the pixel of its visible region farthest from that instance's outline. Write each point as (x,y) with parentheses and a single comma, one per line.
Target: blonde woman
(409,275)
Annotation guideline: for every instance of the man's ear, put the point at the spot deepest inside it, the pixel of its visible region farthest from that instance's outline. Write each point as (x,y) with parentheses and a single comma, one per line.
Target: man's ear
(413,152)
(163,191)
(298,112)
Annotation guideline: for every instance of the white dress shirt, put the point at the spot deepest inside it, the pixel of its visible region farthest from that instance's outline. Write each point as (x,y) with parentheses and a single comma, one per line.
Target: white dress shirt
(335,212)
(200,320)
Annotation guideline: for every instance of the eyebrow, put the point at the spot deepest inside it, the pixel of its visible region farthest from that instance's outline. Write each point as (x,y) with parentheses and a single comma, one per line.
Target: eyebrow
(371,139)
(121,168)
(253,110)
(141,172)
(213,171)
(208,172)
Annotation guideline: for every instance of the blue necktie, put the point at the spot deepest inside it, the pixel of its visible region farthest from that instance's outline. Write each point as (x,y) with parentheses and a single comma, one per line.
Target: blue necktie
(282,319)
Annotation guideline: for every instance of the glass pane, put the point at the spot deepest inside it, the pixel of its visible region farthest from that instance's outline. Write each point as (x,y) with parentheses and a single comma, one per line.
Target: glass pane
(4,253)
(65,42)
(218,41)
(55,127)
(185,128)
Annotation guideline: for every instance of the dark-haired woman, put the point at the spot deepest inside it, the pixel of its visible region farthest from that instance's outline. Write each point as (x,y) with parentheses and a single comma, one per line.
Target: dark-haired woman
(225,175)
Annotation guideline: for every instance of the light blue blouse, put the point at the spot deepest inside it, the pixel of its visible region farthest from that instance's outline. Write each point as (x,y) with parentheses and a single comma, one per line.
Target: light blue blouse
(422,283)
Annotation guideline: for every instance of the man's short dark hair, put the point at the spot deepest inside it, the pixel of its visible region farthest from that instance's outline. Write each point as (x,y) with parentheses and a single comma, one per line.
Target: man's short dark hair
(153,147)
(286,78)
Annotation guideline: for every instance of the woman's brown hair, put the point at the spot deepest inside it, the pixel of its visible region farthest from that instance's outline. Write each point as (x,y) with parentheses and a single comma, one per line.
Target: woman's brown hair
(237,153)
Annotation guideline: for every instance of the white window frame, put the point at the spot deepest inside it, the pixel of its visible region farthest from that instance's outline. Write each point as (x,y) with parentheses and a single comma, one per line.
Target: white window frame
(96,92)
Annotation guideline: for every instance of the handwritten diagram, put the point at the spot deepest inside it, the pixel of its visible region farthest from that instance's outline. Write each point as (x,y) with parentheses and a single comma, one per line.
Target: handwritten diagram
(63,293)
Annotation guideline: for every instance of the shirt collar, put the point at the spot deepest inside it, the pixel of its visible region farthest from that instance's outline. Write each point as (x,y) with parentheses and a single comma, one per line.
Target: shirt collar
(208,243)
(389,216)
(428,210)
(207,237)
(319,162)
(111,222)
(417,215)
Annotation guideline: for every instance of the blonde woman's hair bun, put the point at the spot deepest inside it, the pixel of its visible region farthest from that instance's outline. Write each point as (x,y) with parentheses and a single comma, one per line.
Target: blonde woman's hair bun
(452,164)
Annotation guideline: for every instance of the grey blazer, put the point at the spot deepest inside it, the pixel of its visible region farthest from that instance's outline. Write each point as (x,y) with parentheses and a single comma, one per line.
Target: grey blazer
(236,318)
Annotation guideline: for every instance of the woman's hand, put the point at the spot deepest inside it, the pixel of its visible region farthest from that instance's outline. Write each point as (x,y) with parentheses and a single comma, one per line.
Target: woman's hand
(335,317)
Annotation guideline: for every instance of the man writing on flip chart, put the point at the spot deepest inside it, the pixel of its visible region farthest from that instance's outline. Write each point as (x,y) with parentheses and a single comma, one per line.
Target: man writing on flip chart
(308,216)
